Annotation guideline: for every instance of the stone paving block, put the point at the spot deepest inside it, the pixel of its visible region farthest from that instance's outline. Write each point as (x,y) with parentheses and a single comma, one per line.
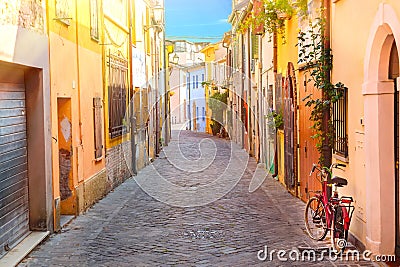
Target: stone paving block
(131,228)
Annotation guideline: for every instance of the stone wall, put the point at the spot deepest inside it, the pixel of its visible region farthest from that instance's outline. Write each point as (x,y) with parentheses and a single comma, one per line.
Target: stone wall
(29,14)
(118,162)
(92,190)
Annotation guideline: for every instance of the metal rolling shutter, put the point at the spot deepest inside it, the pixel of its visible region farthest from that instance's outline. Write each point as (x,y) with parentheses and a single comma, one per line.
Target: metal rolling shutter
(14,213)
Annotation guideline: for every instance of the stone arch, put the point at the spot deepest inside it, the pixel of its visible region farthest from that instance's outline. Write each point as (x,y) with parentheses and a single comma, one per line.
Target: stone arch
(378,93)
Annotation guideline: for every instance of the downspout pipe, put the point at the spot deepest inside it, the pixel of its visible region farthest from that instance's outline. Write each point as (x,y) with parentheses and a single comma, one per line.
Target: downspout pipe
(132,110)
(275,66)
(327,149)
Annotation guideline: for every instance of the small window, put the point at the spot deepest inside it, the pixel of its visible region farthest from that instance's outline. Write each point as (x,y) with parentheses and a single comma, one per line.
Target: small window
(202,77)
(194,82)
(339,110)
(204,113)
(197,81)
(117,88)
(98,127)
(94,20)
(197,112)
(188,82)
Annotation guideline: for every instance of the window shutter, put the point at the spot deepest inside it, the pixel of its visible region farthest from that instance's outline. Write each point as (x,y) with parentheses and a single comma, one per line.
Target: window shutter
(254,46)
(98,127)
(137,108)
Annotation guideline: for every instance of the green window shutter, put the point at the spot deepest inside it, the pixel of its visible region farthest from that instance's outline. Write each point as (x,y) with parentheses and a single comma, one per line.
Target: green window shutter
(254,46)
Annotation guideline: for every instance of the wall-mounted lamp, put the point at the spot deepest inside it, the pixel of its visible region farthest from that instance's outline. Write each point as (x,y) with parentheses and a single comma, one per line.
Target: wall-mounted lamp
(175,59)
(158,15)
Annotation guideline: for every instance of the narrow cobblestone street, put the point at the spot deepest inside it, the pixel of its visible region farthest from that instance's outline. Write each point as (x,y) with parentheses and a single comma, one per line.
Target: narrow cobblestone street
(131,228)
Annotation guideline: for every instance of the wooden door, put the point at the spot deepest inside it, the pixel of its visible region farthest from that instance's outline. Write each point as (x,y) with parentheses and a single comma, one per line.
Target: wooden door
(290,140)
(308,153)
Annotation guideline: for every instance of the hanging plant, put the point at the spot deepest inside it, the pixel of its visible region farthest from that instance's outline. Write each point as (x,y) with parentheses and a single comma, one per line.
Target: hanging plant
(273,15)
(275,119)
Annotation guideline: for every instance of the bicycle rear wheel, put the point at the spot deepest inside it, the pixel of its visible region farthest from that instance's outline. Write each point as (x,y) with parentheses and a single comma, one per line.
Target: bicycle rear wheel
(315,219)
(338,233)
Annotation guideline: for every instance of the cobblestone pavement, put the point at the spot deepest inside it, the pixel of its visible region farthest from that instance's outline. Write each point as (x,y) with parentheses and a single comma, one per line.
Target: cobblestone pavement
(131,228)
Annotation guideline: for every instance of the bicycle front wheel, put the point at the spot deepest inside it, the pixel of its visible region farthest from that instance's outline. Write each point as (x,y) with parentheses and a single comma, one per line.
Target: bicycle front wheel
(315,219)
(338,233)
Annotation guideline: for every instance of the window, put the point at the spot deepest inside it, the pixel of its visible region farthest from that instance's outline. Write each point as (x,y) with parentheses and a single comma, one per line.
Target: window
(202,77)
(254,46)
(63,11)
(94,20)
(98,127)
(194,82)
(117,84)
(197,81)
(204,113)
(188,81)
(197,112)
(339,110)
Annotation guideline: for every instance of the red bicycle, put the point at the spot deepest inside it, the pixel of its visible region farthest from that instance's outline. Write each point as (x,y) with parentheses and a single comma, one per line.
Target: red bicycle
(334,214)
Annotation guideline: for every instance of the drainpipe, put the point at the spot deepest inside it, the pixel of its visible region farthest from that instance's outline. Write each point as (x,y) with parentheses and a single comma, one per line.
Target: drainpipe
(260,106)
(166,131)
(275,65)
(327,149)
(156,91)
(243,114)
(189,111)
(166,89)
(132,110)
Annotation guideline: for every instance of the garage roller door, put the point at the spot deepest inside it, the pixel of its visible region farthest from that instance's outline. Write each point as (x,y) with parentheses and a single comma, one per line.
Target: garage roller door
(14,213)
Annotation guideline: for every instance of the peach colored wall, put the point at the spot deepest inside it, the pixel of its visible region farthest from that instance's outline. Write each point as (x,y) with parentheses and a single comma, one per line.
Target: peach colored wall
(175,83)
(63,71)
(91,85)
(76,73)
(369,118)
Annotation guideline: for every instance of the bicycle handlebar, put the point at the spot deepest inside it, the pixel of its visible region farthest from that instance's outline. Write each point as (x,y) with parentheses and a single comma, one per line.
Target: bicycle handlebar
(313,169)
(325,169)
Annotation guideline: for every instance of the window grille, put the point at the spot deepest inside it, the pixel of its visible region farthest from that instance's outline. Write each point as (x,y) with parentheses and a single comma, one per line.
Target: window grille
(117,84)
(339,116)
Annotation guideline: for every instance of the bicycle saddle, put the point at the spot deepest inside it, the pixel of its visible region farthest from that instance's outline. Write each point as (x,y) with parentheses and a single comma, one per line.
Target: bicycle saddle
(339,181)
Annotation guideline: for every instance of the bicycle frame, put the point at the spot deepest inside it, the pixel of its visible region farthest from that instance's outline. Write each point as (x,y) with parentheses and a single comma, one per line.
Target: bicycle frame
(330,204)
(323,197)
(347,210)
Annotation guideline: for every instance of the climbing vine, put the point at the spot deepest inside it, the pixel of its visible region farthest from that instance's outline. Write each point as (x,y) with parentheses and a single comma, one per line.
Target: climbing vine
(316,57)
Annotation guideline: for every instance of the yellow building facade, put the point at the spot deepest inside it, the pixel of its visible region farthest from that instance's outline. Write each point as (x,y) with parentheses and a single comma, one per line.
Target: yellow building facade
(209,58)
(76,74)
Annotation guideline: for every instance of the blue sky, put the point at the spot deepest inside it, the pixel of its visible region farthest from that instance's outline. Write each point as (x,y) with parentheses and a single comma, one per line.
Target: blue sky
(195,20)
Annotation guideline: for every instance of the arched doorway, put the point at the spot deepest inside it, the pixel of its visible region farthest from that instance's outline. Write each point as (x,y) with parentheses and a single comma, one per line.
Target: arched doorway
(394,75)
(381,130)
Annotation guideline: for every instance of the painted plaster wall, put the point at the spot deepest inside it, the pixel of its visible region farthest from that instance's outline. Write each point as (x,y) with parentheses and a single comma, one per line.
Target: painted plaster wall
(267,80)
(175,83)
(286,52)
(197,99)
(76,74)
(350,52)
